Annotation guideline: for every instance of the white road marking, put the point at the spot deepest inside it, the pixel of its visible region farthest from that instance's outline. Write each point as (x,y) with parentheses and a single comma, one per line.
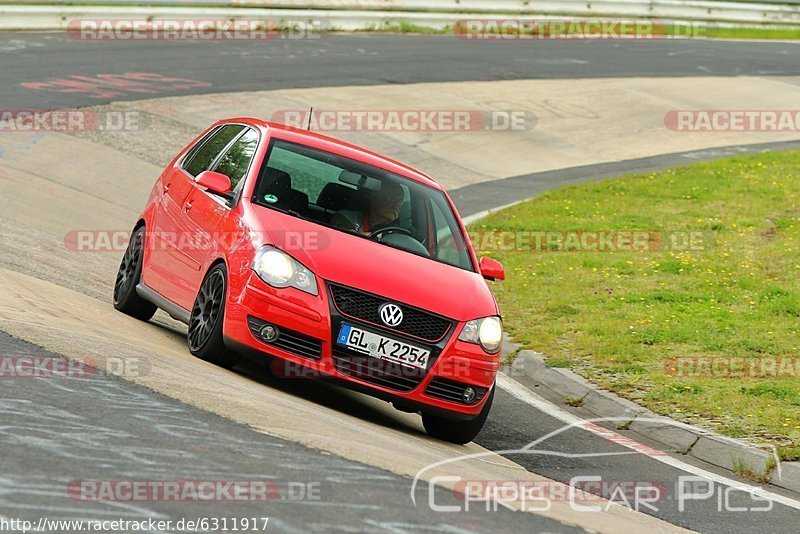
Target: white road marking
(558,61)
(13,45)
(485,213)
(528,397)
(716,152)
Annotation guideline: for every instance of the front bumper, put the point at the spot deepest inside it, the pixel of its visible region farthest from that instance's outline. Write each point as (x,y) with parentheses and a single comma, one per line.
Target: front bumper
(306,348)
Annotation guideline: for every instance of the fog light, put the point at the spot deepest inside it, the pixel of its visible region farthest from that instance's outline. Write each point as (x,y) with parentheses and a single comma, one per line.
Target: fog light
(468,395)
(268,333)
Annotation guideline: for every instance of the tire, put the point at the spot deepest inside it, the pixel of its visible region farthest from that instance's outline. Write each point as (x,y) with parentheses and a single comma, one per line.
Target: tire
(460,432)
(126,299)
(205,323)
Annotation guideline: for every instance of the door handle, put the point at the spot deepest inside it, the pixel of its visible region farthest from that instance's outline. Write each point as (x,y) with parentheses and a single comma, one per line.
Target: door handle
(166,187)
(188,206)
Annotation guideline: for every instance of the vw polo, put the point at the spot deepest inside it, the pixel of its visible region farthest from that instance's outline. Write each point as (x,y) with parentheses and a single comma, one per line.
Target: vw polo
(284,245)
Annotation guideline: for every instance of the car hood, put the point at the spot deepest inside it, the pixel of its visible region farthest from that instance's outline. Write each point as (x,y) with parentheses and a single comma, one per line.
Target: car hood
(391,273)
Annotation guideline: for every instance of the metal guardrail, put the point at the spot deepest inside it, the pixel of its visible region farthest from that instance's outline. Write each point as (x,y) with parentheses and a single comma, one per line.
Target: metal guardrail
(519,6)
(358,14)
(462,6)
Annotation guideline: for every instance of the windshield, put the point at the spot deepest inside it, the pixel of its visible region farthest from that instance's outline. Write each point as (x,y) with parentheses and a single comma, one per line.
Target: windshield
(360,199)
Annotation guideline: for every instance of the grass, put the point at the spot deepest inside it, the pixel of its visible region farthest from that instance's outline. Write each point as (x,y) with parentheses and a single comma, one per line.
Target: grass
(741,469)
(404,26)
(668,31)
(753,33)
(575,402)
(623,319)
(789,454)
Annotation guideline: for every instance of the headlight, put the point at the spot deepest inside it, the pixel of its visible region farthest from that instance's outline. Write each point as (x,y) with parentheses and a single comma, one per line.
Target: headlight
(278,269)
(486,332)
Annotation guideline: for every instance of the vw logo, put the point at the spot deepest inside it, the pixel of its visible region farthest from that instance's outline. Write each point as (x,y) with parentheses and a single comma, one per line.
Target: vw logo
(391,314)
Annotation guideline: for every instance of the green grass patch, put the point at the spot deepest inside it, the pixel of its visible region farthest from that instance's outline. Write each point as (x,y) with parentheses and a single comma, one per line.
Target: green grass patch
(669,31)
(575,402)
(741,469)
(622,317)
(753,33)
(789,454)
(405,27)
(560,363)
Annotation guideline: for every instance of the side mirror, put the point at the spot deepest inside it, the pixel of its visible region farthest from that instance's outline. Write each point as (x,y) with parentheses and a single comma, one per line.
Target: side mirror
(216,182)
(492,269)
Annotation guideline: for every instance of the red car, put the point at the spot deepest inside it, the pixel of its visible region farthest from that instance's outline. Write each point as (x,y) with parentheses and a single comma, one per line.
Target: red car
(326,260)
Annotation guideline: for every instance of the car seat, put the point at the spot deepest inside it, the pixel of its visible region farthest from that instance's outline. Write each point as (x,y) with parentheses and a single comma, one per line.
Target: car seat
(278,184)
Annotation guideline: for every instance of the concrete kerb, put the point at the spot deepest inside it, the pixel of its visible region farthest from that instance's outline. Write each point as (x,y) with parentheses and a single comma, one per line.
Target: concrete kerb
(738,457)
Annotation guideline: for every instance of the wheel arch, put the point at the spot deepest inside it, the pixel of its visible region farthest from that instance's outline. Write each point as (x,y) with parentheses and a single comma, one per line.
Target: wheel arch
(218,261)
(224,263)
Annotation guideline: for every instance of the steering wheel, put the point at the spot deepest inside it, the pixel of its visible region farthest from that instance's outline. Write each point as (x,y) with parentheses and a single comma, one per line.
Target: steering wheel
(381,231)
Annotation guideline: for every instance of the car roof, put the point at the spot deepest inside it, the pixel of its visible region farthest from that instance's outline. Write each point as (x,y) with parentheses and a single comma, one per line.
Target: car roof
(337,146)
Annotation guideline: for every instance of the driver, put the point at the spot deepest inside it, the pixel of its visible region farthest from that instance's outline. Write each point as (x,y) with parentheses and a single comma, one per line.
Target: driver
(384,209)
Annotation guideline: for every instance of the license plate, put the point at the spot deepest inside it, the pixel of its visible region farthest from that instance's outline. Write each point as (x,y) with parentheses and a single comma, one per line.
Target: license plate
(382,347)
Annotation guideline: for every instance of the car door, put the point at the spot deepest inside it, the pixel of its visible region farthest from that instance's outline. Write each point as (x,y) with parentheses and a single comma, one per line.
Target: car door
(175,186)
(204,212)
(174,263)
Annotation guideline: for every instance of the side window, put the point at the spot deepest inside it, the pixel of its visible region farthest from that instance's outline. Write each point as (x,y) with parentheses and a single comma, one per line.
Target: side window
(450,249)
(307,175)
(204,157)
(196,148)
(236,161)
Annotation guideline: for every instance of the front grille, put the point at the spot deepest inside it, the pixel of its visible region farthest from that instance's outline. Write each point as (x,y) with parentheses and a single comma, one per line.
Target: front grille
(289,340)
(375,371)
(364,306)
(442,388)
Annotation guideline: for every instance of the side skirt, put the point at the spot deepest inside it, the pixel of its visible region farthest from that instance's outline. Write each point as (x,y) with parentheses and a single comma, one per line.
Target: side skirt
(177,313)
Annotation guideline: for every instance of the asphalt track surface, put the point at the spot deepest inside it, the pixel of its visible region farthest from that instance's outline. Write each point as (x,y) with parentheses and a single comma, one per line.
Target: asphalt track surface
(70,430)
(339,60)
(123,431)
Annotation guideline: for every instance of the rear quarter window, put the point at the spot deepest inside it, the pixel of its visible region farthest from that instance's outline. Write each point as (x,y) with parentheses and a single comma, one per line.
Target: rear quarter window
(206,154)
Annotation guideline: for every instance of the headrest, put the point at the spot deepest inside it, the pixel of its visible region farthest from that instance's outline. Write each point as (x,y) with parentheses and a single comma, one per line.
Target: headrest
(338,197)
(276,180)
